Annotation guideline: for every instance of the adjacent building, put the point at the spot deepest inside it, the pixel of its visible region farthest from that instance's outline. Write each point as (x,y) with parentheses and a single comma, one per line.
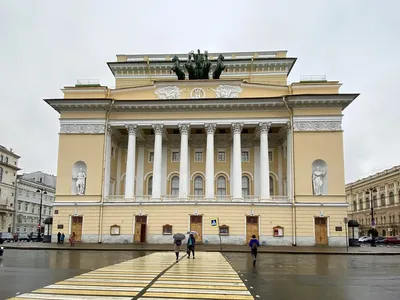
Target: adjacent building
(241,153)
(378,194)
(8,180)
(30,198)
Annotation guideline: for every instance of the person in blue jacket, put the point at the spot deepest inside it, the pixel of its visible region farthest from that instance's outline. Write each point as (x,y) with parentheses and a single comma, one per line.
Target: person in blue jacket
(254,244)
(190,245)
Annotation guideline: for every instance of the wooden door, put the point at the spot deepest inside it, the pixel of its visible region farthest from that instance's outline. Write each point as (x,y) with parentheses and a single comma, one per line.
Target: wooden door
(140,229)
(76,227)
(321,231)
(196,224)
(251,227)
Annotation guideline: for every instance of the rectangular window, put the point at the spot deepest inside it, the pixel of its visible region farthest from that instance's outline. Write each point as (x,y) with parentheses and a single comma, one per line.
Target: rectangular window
(19,206)
(245,156)
(33,209)
(271,156)
(198,156)
(221,156)
(175,156)
(26,206)
(151,156)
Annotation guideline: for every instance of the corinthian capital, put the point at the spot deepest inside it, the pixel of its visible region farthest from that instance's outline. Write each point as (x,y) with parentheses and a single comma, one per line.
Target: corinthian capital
(132,129)
(210,128)
(237,127)
(184,128)
(158,128)
(109,130)
(264,127)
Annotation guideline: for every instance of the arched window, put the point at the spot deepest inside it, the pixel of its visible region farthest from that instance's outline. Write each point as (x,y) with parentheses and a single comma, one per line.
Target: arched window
(1,174)
(198,186)
(245,186)
(271,186)
(6,160)
(175,186)
(150,186)
(221,186)
(1,158)
(391,198)
(383,200)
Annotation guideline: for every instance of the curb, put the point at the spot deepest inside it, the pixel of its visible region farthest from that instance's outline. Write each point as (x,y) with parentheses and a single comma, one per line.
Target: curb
(270,251)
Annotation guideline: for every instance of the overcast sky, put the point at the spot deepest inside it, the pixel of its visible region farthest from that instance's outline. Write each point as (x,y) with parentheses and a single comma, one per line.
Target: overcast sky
(45,45)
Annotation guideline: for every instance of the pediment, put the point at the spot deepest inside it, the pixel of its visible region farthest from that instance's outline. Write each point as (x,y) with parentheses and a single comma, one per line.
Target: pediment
(198,89)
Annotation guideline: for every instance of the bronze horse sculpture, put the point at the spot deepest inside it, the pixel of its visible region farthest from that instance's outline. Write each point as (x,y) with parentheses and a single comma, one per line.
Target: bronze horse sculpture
(176,67)
(220,67)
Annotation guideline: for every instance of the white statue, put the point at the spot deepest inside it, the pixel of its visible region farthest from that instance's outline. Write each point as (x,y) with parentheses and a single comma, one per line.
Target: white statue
(228,91)
(80,182)
(318,180)
(168,92)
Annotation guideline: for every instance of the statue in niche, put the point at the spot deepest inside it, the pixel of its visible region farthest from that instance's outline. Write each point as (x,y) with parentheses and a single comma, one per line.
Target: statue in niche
(80,182)
(220,67)
(176,67)
(318,180)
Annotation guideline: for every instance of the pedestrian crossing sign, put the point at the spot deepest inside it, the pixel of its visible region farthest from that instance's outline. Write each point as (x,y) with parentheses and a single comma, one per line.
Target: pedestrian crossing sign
(214,222)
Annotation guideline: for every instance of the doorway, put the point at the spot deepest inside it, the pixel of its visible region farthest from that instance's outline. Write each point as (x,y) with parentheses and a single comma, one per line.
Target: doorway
(140,229)
(251,227)
(196,224)
(76,227)
(321,231)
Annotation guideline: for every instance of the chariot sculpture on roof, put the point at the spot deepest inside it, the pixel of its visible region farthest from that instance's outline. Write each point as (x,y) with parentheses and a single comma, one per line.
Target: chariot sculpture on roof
(198,66)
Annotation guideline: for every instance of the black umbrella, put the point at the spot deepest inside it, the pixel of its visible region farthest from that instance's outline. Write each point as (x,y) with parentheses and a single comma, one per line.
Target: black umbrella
(179,236)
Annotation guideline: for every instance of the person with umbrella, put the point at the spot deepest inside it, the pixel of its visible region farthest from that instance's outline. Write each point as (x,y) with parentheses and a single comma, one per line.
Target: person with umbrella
(190,244)
(178,238)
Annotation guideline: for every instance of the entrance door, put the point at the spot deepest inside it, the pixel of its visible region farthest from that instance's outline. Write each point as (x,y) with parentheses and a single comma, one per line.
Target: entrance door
(140,229)
(76,227)
(251,227)
(321,232)
(196,224)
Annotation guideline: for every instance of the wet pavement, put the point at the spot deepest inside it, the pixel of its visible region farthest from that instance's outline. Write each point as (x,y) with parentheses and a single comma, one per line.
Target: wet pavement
(276,276)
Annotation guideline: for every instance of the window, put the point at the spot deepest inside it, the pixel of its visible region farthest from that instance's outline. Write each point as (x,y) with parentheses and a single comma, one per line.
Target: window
(175,186)
(26,206)
(367,203)
(151,156)
(271,186)
(245,156)
(245,185)
(24,228)
(6,160)
(271,156)
(44,210)
(175,156)
(391,198)
(17,228)
(354,205)
(375,201)
(360,204)
(112,152)
(19,206)
(150,186)
(198,156)
(1,158)
(33,209)
(221,185)
(1,173)
(40,179)
(198,186)
(383,200)
(221,156)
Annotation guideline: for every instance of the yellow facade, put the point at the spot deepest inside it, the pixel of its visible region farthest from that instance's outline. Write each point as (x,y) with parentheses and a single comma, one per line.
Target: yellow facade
(263,157)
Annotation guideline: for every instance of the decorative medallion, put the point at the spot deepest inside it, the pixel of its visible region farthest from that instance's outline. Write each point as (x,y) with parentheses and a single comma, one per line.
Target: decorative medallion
(197,93)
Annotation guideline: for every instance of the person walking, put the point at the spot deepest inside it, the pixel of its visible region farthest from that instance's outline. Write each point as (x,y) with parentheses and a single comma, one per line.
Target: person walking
(177,248)
(62,238)
(254,244)
(59,238)
(72,239)
(190,245)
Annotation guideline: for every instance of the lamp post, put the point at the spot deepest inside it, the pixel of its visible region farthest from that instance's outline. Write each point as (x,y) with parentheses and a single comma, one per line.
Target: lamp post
(42,192)
(370,192)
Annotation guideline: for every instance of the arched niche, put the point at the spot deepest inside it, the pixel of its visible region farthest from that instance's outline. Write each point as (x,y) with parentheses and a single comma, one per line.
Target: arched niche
(79,176)
(319,177)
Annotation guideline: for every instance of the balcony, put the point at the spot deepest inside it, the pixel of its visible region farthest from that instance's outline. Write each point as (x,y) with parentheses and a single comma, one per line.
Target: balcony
(196,198)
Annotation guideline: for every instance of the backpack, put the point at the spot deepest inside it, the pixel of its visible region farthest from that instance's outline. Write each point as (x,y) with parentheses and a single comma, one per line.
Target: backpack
(254,245)
(178,242)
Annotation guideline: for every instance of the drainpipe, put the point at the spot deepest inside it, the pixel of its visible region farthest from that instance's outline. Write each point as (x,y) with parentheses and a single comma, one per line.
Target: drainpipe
(104,169)
(293,173)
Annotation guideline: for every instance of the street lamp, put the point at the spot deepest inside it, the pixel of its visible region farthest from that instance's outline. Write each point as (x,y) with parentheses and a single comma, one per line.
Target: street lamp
(42,192)
(370,192)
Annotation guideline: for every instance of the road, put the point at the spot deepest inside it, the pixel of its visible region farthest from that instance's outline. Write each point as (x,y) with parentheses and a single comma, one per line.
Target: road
(276,276)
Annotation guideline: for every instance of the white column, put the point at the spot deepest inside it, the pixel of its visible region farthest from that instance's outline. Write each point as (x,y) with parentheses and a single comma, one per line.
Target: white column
(237,160)
(386,195)
(107,168)
(119,159)
(140,169)
(183,165)
(257,168)
(289,162)
(130,162)
(396,192)
(164,168)
(280,177)
(264,160)
(158,132)
(210,129)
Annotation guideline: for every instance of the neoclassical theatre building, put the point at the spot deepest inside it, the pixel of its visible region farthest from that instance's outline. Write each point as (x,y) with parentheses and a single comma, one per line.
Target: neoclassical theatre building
(219,144)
